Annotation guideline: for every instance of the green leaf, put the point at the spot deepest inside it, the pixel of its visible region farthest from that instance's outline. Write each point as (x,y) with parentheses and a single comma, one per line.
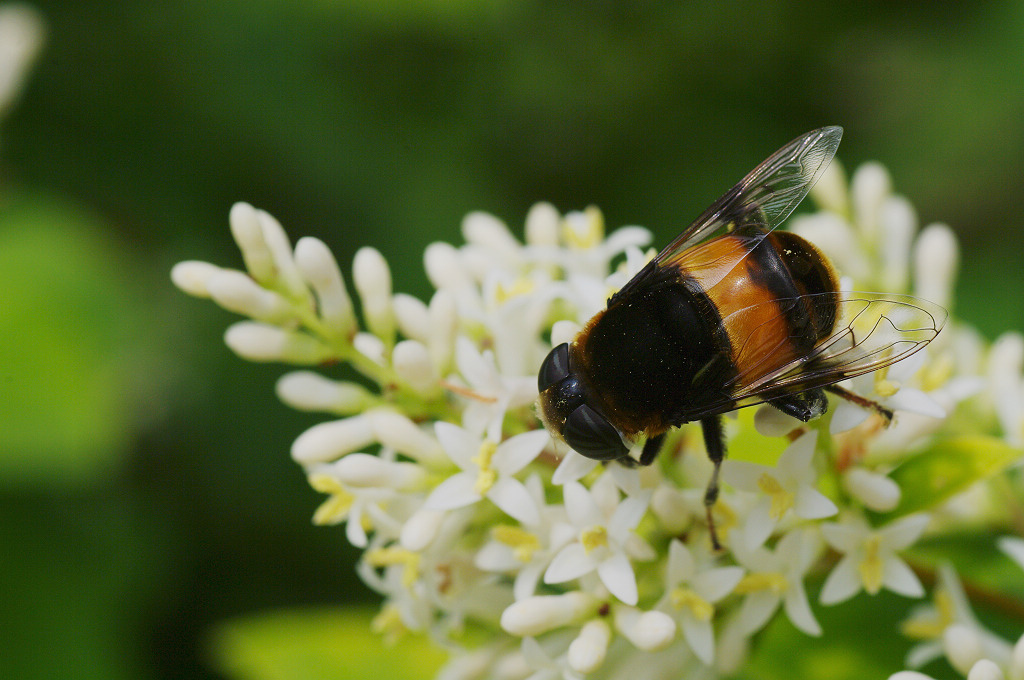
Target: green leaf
(318,644)
(949,467)
(71,320)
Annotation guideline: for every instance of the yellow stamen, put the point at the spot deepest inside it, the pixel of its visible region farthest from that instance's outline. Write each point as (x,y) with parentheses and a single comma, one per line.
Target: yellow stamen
(764,580)
(520,286)
(388,622)
(883,386)
(590,235)
(871,568)
(782,500)
(388,557)
(593,538)
(937,373)
(523,543)
(701,609)
(337,506)
(487,476)
(932,627)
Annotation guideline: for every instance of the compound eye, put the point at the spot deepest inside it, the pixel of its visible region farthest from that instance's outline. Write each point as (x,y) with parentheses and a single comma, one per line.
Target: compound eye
(588,432)
(555,368)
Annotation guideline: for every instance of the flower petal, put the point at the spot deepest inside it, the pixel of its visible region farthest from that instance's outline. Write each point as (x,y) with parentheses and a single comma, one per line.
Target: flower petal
(904,531)
(571,562)
(519,451)
(812,504)
(714,584)
(760,524)
(514,500)
(900,578)
(628,515)
(798,609)
(700,636)
(681,565)
(756,610)
(573,467)
(457,491)
(842,584)
(582,510)
(617,575)
(459,444)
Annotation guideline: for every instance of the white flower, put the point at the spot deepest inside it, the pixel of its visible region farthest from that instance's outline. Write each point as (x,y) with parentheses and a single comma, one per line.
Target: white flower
(869,557)
(489,393)
(777,577)
(487,471)
(790,485)
(604,538)
(691,594)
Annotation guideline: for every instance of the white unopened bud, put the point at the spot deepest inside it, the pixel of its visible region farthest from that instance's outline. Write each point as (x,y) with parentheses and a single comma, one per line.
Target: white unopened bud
(649,631)
(412,362)
(910,675)
(22,30)
(869,188)
(280,247)
(412,317)
(587,652)
(962,647)
(257,341)
(396,431)
(420,530)
(985,669)
(771,422)
(236,292)
(1017,660)
(248,234)
(444,267)
(444,325)
(193,277)
(487,231)
(564,330)
(897,223)
(318,267)
(329,441)
(671,508)
(309,391)
(936,258)
(542,225)
(541,613)
(370,346)
(373,281)
(362,470)
(877,492)
(829,192)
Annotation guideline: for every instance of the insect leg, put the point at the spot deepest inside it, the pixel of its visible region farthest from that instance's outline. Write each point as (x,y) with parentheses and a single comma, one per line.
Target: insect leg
(803,406)
(651,448)
(714,442)
(863,402)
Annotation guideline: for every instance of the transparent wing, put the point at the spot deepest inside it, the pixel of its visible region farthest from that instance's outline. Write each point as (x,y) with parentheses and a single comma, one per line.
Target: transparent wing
(762,200)
(872,331)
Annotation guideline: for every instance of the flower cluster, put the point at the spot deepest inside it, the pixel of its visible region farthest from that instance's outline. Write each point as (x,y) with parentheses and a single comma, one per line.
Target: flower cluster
(473,519)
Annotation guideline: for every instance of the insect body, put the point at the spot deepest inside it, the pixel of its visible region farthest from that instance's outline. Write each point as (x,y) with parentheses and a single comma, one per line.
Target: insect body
(730,314)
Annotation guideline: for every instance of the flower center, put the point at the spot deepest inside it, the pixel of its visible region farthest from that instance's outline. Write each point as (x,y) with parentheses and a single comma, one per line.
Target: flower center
(336,508)
(883,386)
(771,581)
(523,543)
(583,230)
(593,538)
(782,500)
(388,622)
(487,476)
(701,609)
(932,627)
(520,286)
(871,566)
(389,557)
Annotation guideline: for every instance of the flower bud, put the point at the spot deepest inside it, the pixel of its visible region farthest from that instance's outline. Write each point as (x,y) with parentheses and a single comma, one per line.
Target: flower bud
(236,292)
(248,234)
(868,190)
(897,223)
(444,325)
(829,192)
(587,652)
(288,277)
(444,267)
(487,231)
(362,470)
(1017,660)
(320,270)
(936,258)
(910,675)
(670,506)
(329,441)
(309,391)
(412,363)
(396,431)
(985,669)
(962,647)
(564,330)
(541,613)
(542,225)
(193,277)
(420,530)
(649,631)
(877,492)
(771,422)
(412,317)
(261,342)
(373,281)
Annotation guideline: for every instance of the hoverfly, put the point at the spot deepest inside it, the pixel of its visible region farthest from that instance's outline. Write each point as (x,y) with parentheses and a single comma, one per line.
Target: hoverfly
(730,314)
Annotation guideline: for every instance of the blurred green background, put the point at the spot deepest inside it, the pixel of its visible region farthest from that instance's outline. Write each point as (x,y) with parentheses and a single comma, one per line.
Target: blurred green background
(145,481)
